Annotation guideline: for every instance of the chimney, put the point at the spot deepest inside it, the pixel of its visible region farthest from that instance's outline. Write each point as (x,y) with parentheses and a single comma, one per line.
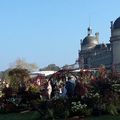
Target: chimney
(112,26)
(97,36)
(81,43)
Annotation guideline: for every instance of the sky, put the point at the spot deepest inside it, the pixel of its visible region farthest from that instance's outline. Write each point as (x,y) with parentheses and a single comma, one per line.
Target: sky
(49,31)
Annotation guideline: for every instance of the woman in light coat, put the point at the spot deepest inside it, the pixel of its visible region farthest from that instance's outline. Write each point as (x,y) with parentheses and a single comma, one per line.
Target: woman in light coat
(49,89)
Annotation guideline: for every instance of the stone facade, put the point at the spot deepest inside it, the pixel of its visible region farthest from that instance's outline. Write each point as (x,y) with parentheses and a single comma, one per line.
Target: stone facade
(93,54)
(115,42)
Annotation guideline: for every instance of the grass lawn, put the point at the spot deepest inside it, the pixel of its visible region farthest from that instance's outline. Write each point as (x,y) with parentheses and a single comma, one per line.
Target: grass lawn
(20,116)
(106,117)
(36,116)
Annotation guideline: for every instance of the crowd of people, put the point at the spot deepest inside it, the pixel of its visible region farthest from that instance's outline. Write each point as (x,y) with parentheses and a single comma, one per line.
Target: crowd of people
(66,88)
(75,85)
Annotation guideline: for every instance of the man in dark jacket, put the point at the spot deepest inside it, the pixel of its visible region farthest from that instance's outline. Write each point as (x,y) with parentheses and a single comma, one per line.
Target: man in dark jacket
(70,87)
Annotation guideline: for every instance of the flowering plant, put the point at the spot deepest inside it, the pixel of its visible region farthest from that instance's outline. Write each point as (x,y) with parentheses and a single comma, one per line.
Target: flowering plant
(15,101)
(116,87)
(78,108)
(92,95)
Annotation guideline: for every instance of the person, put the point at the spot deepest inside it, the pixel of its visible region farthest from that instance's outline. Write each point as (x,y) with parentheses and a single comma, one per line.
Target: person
(64,91)
(49,89)
(70,85)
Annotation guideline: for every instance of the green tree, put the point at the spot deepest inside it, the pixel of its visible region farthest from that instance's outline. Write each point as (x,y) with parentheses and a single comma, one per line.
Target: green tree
(18,76)
(51,67)
(65,66)
(4,76)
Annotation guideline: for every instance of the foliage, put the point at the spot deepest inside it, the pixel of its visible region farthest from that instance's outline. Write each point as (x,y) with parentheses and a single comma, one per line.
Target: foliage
(51,67)
(15,101)
(50,115)
(7,92)
(102,96)
(4,76)
(116,87)
(79,108)
(112,109)
(34,89)
(92,95)
(18,76)
(60,107)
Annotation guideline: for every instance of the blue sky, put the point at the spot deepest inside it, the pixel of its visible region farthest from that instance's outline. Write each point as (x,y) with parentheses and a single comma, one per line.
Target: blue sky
(49,31)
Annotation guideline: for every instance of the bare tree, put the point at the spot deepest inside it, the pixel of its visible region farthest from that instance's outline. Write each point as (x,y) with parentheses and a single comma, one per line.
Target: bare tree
(22,64)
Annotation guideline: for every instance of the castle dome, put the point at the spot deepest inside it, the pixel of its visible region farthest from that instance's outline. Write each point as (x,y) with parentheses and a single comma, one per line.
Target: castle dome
(89,41)
(117,23)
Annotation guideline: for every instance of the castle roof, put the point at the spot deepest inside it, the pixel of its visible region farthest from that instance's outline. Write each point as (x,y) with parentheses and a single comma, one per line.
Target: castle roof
(89,40)
(117,23)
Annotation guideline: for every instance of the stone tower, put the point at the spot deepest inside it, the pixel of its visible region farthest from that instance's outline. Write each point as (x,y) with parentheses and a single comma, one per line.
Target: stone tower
(115,41)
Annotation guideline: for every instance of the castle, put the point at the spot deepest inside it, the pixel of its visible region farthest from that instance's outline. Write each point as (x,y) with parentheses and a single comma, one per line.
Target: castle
(93,54)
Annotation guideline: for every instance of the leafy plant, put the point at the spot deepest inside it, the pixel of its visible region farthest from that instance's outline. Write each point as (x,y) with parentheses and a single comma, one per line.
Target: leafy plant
(79,108)
(112,109)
